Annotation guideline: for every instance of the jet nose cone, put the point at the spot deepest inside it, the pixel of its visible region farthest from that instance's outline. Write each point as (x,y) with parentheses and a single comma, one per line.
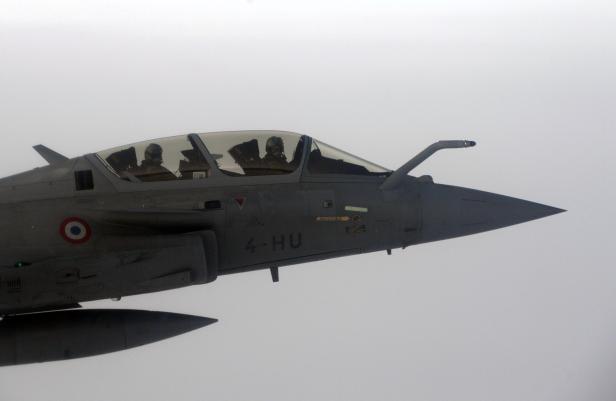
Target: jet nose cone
(495,211)
(452,212)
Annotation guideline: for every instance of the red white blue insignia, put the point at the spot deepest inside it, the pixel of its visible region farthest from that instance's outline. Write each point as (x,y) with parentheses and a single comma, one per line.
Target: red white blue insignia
(75,230)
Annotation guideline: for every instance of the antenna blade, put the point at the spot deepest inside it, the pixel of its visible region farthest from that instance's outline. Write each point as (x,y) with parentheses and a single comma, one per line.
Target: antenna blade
(49,155)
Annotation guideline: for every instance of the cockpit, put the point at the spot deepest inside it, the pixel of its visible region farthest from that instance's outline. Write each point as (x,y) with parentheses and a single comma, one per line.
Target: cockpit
(235,154)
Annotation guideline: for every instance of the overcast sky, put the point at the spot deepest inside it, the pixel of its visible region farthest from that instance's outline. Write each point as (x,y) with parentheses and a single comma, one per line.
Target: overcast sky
(523,313)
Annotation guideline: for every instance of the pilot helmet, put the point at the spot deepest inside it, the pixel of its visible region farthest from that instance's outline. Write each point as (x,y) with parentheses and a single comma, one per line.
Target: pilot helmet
(274,146)
(154,152)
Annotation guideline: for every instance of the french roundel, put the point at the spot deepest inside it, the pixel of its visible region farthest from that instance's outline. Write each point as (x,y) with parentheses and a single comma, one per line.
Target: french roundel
(75,230)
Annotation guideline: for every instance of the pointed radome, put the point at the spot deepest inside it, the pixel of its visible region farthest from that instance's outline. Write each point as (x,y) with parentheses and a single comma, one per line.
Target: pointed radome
(453,211)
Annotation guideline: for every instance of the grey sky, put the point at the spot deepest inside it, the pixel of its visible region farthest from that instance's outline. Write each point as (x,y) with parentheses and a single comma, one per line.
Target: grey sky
(523,313)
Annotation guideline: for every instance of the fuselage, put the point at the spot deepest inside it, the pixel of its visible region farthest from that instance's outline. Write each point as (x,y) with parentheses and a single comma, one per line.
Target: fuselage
(81,229)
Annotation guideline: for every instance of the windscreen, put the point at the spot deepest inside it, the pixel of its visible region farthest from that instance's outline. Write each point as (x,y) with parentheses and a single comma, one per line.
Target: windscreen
(325,159)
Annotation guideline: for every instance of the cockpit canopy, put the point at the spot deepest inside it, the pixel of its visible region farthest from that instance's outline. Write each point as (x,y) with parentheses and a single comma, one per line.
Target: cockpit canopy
(251,154)
(236,154)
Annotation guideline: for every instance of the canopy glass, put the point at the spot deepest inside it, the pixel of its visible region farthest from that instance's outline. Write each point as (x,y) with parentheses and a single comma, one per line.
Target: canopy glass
(242,153)
(255,153)
(325,159)
(167,159)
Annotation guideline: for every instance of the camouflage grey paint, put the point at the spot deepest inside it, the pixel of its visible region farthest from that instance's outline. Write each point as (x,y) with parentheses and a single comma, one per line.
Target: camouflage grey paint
(71,334)
(152,236)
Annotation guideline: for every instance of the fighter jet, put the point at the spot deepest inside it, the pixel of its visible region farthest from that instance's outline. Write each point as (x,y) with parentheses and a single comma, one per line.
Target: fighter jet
(184,210)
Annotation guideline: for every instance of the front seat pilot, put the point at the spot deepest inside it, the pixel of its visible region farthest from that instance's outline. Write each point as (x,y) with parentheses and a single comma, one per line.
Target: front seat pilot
(275,158)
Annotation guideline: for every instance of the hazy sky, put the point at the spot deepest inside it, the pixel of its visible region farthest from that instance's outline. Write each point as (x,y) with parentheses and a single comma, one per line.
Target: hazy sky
(523,313)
